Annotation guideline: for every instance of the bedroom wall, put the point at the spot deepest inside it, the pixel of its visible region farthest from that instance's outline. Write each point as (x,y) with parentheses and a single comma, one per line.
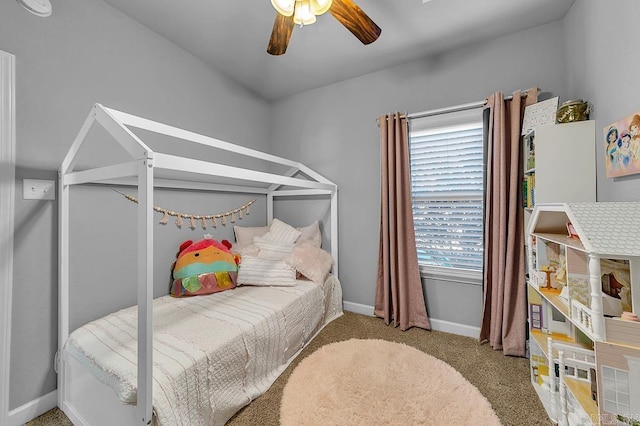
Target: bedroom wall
(602,45)
(333,130)
(88,52)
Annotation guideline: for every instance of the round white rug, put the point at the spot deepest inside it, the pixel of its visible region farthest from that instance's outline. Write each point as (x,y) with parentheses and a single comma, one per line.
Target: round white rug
(377,382)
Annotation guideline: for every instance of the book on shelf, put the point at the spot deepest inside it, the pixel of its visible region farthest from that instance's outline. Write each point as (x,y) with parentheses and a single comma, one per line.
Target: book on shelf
(528,191)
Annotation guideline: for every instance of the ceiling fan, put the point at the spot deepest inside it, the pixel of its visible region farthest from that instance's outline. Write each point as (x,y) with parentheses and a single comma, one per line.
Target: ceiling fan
(304,12)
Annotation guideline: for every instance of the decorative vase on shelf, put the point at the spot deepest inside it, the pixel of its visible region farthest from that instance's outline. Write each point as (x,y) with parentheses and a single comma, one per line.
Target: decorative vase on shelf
(575,110)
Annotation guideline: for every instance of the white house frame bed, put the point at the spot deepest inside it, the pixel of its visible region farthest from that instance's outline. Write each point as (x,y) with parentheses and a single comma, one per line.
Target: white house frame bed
(80,395)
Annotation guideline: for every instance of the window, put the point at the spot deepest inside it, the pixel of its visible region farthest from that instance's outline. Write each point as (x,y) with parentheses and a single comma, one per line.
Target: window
(615,388)
(447,187)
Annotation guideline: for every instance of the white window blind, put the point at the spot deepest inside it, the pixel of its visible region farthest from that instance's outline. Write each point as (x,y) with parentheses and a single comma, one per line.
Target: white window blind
(447,184)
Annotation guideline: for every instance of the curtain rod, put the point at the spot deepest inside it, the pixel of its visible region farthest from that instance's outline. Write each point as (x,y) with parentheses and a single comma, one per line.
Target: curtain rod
(450,109)
(456,108)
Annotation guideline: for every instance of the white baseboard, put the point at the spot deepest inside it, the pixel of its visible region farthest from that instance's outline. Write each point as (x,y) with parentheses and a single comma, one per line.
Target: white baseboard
(33,409)
(454,328)
(358,308)
(436,324)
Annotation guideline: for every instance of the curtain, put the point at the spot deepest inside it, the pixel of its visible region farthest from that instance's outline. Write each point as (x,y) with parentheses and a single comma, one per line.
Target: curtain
(504,311)
(399,295)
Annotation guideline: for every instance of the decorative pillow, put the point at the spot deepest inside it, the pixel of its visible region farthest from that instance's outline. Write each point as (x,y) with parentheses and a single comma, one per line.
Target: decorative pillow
(311,233)
(266,272)
(281,232)
(204,267)
(312,262)
(247,250)
(268,249)
(244,234)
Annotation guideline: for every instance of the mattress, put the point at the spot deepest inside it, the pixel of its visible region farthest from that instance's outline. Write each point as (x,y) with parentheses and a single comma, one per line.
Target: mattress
(212,354)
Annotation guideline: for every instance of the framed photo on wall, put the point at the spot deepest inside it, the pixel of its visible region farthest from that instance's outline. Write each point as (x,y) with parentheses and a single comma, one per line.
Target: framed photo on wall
(622,146)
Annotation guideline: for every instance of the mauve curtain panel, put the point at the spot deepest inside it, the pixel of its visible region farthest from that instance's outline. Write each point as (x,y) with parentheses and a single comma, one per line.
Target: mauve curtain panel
(399,295)
(504,310)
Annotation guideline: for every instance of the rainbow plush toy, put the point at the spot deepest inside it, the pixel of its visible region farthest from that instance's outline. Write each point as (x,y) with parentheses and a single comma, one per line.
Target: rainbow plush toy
(204,267)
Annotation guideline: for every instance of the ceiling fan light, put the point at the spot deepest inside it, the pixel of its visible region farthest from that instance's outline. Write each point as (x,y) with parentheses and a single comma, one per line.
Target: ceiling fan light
(284,7)
(303,14)
(318,7)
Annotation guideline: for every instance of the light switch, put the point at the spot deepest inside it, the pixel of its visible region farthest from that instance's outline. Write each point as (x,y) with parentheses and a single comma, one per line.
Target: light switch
(37,189)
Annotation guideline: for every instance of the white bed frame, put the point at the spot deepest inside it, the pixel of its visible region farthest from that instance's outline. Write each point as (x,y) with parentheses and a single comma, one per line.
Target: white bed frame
(79,395)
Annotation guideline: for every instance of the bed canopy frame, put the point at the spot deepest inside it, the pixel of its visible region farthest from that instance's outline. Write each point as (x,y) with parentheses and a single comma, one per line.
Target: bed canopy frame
(144,171)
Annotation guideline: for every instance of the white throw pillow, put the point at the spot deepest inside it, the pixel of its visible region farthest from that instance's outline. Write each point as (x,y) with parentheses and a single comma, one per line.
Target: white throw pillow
(265,272)
(244,234)
(268,249)
(281,232)
(311,233)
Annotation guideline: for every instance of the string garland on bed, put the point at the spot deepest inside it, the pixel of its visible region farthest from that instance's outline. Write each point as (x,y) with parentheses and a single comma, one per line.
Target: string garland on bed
(234,214)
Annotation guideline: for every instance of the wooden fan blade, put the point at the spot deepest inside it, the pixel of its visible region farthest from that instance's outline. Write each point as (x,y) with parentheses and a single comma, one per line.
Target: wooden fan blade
(282,29)
(355,20)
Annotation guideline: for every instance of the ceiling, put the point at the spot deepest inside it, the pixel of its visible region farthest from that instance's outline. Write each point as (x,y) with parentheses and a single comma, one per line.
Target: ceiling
(232,36)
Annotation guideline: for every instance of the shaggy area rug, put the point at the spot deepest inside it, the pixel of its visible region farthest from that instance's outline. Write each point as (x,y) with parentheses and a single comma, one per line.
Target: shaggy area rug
(377,382)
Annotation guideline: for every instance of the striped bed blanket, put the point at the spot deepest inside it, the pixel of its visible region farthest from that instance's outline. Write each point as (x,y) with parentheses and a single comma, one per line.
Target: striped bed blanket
(212,354)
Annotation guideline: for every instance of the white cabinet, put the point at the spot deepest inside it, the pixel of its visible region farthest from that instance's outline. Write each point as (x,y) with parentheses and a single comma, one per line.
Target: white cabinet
(559,163)
(583,298)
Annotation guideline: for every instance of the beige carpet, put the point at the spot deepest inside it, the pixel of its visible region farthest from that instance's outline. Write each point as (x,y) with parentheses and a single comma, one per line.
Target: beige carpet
(504,381)
(363,382)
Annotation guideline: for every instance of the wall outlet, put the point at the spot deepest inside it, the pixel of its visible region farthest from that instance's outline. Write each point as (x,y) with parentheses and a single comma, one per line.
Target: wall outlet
(36,189)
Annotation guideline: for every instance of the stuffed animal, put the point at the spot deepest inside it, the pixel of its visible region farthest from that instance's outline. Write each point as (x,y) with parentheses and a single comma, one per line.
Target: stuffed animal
(204,267)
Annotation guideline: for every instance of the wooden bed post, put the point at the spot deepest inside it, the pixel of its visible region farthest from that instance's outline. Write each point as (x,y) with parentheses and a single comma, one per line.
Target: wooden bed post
(145,289)
(334,231)
(63,277)
(64,189)
(269,208)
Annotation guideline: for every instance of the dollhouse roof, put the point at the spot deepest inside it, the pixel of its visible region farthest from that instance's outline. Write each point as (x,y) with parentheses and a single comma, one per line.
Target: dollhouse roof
(607,228)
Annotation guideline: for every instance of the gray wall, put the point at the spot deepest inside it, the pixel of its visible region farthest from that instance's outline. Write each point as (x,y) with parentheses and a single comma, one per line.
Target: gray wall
(333,130)
(603,67)
(87,52)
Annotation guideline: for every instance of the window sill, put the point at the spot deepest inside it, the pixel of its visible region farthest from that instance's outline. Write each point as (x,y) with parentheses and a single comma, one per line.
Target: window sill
(462,276)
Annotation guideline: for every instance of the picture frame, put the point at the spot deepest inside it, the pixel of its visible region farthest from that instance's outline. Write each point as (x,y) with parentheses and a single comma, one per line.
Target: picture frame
(622,146)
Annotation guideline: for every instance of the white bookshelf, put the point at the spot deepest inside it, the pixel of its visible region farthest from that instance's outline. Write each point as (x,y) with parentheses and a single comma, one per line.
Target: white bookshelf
(560,162)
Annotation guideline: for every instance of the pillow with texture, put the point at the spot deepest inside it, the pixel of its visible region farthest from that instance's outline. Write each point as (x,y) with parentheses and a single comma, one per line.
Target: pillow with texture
(244,234)
(271,249)
(312,262)
(266,272)
(246,250)
(311,233)
(281,232)
(204,267)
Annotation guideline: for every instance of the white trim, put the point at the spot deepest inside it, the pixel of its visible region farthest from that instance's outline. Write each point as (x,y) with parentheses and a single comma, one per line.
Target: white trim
(33,409)
(358,308)
(454,328)
(436,324)
(7,194)
(461,276)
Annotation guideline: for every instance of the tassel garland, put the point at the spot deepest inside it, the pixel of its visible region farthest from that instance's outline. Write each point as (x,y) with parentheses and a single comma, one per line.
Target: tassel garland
(165,219)
(232,214)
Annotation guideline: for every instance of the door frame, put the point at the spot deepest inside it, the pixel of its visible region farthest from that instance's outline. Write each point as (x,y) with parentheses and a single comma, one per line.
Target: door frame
(7,194)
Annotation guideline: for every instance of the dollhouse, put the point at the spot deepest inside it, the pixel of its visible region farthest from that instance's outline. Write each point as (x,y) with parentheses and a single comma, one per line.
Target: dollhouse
(583,276)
